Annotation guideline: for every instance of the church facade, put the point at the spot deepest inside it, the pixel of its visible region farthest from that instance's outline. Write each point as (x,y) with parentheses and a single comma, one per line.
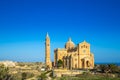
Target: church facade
(73,57)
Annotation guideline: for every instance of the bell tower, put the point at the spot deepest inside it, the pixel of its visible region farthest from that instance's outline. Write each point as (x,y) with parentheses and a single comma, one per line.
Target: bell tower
(47,51)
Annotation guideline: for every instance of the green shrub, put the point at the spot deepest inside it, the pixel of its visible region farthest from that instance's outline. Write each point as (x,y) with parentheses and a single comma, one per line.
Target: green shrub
(42,76)
(26,75)
(60,63)
(4,73)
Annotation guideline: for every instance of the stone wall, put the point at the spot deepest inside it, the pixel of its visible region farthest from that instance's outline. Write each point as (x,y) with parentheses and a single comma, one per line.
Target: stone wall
(62,72)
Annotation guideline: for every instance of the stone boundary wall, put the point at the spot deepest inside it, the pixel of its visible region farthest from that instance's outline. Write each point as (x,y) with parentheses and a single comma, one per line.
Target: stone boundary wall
(65,72)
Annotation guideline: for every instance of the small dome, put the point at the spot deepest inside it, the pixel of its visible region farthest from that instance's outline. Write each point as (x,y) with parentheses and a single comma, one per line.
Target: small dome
(69,44)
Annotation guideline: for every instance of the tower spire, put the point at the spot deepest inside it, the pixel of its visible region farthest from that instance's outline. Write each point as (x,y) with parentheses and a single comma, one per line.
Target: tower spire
(47,35)
(69,39)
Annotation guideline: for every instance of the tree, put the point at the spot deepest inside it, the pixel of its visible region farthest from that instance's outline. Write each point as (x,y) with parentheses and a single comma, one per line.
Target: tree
(113,68)
(109,68)
(24,75)
(59,63)
(103,68)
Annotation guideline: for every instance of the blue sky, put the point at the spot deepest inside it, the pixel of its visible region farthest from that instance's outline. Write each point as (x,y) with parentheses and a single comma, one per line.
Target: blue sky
(24,24)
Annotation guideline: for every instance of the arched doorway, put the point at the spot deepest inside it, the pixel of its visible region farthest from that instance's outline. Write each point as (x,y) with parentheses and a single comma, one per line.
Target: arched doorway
(87,64)
(75,66)
(82,63)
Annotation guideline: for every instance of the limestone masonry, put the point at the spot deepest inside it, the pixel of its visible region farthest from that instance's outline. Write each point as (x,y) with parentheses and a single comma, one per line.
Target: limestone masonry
(73,57)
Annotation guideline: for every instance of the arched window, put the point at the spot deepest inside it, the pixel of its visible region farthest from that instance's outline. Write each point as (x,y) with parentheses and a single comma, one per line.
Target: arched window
(84,46)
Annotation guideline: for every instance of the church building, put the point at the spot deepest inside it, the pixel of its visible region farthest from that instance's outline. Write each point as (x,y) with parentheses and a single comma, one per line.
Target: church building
(73,56)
